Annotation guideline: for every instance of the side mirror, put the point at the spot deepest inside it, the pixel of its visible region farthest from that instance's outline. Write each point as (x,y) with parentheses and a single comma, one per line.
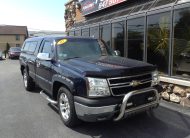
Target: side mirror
(117,53)
(44,56)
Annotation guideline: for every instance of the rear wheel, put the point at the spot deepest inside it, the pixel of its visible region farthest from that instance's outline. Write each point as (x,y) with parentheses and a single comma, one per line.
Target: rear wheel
(28,81)
(67,108)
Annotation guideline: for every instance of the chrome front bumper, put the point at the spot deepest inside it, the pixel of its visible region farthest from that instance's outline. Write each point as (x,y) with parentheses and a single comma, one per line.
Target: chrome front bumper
(123,110)
(92,114)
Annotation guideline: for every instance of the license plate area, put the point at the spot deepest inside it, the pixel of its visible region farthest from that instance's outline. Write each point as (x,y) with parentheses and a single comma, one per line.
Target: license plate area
(141,99)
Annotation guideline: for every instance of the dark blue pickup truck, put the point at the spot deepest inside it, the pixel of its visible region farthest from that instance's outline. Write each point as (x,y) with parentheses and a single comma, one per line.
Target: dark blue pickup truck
(86,80)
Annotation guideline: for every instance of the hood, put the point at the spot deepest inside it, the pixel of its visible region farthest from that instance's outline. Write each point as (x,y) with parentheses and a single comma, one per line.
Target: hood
(107,66)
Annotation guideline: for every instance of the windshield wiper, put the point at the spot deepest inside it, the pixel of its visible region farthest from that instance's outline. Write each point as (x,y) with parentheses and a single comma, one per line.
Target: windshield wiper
(72,58)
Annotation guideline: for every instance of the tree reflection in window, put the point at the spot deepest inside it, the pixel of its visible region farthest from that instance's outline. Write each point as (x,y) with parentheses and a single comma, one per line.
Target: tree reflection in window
(181,50)
(158,40)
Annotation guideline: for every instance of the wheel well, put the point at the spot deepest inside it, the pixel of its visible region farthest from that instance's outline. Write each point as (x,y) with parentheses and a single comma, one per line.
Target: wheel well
(22,69)
(56,86)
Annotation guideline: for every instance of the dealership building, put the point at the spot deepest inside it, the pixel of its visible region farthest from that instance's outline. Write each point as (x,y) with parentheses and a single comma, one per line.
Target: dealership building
(154,31)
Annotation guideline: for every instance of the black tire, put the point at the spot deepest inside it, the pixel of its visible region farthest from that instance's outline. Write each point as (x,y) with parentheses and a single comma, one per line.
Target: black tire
(72,119)
(28,81)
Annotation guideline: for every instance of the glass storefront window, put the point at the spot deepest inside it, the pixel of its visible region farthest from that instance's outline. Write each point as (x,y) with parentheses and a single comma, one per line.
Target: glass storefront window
(118,30)
(136,38)
(77,32)
(158,40)
(94,32)
(85,32)
(105,33)
(181,47)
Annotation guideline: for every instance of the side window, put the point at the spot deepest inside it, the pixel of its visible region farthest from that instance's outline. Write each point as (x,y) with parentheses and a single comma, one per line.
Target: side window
(47,48)
(32,46)
(26,46)
(17,37)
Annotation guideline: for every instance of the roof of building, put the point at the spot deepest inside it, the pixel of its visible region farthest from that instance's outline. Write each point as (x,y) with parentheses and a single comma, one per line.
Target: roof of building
(13,30)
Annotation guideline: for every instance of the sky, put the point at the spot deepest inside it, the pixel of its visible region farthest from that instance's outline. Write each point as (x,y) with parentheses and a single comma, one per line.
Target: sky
(35,14)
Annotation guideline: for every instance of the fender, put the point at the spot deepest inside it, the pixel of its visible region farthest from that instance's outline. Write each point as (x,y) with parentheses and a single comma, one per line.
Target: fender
(62,79)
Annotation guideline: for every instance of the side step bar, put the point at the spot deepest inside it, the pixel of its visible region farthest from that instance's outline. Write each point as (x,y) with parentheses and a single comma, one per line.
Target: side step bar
(48,98)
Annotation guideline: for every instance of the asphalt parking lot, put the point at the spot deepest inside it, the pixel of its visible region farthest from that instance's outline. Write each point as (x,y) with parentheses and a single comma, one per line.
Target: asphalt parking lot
(28,115)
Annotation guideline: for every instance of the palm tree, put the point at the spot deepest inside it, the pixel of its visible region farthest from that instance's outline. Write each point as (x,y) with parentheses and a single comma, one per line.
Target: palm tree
(158,43)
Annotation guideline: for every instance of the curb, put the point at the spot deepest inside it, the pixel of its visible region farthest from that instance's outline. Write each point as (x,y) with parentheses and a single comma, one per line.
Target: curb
(175,107)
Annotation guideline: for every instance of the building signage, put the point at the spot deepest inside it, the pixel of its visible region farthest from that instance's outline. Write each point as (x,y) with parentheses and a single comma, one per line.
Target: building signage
(90,6)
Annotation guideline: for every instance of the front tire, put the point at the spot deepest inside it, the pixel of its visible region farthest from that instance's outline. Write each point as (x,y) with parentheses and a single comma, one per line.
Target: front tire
(66,108)
(28,81)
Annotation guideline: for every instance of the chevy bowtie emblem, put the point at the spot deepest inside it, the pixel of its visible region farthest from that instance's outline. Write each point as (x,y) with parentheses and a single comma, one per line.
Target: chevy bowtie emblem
(135,83)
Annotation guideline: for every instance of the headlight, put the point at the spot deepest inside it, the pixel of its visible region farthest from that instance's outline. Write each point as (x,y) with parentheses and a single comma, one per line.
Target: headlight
(98,87)
(155,78)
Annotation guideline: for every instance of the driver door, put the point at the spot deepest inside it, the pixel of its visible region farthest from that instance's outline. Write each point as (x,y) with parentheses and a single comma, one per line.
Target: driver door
(43,68)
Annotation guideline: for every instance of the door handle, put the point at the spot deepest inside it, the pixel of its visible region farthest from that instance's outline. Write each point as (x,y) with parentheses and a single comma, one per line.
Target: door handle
(30,61)
(38,64)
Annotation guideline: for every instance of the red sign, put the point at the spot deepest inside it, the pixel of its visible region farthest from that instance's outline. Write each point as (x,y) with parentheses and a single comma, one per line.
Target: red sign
(90,6)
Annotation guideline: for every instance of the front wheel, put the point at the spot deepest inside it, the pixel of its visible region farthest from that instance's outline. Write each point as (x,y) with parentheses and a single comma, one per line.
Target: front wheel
(67,108)
(28,81)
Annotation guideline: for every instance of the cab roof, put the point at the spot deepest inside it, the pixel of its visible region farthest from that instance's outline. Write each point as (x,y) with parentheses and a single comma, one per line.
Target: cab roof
(57,37)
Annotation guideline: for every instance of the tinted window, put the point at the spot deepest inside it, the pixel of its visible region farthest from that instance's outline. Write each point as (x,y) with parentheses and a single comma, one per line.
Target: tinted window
(181,47)
(47,47)
(73,48)
(32,46)
(85,32)
(77,33)
(105,33)
(136,38)
(158,40)
(26,46)
(94,32)
(15,49)
(118,36)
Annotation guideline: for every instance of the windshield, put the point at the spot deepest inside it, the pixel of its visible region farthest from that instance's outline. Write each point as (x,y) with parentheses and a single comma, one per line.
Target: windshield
(15,49)
(76,48)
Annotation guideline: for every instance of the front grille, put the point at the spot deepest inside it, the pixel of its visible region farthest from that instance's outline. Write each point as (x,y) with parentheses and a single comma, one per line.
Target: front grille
(122,85)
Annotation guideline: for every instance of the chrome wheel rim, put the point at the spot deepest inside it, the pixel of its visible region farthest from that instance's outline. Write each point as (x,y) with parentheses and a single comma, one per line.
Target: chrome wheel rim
(25,79)
(64,106)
